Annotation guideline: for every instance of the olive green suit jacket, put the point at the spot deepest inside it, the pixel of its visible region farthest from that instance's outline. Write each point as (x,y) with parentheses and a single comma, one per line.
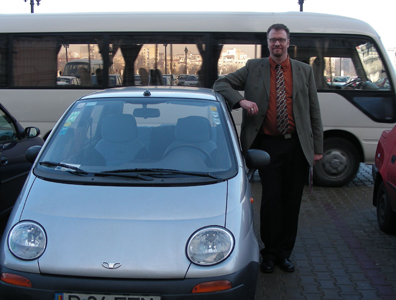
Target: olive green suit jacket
(254,80)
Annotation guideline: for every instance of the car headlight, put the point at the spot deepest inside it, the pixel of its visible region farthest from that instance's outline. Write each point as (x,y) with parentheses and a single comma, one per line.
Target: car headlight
(209,246)
(27,240)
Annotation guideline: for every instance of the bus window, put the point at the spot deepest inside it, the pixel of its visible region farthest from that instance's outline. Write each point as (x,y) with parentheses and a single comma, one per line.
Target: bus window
(81,57)
(373,66)
(234,50)
(342,62)
(136,58)
(35,61)
(39,60)
(164,62)
(3,61)
(351,67)
(234,57)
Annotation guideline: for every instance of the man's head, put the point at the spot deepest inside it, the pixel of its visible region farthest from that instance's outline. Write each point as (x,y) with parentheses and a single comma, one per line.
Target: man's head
(278,36)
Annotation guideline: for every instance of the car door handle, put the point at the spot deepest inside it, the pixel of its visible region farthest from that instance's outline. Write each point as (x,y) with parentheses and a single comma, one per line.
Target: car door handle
(393,159)
(4,160)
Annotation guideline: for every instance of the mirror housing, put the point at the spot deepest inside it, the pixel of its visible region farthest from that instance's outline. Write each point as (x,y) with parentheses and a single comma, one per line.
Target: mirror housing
(31,132)
(256,159)
(32,153)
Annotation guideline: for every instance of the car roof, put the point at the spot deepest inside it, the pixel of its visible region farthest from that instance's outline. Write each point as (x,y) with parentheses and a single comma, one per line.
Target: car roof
(155,92)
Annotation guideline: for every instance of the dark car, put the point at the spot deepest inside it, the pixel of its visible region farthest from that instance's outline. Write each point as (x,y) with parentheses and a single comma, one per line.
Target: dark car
(384,173)
(14,141)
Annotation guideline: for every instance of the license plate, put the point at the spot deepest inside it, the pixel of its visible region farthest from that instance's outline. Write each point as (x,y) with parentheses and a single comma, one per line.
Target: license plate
(71,296)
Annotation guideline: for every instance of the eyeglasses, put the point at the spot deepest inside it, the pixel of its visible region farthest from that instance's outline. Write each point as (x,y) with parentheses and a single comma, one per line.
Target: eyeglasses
(282,41)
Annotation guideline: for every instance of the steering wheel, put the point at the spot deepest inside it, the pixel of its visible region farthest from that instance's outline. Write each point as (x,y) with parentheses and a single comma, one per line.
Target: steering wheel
(208,161)
(355,83)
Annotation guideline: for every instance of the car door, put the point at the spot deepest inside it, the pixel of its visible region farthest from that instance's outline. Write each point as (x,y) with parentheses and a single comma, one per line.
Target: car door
(13,165)
(391,168)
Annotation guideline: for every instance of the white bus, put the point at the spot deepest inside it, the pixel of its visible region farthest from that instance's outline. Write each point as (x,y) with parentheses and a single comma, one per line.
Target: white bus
(355,79)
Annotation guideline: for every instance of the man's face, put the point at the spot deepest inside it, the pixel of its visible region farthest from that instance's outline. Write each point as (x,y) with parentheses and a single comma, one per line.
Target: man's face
(278,44)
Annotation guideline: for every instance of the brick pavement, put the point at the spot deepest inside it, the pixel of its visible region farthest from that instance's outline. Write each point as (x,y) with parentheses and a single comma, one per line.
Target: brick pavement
(340,252)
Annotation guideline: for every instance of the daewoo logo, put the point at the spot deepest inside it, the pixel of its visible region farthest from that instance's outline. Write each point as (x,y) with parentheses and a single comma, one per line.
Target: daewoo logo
(111,265)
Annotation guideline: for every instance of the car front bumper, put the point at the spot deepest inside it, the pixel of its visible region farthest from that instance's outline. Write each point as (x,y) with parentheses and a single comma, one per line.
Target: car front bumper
(44,287)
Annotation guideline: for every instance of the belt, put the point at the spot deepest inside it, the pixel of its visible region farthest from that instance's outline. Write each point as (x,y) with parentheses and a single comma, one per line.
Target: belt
(278,137)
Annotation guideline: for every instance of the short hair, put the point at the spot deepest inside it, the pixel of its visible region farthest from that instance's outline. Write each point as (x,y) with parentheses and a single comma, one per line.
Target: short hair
(278,27)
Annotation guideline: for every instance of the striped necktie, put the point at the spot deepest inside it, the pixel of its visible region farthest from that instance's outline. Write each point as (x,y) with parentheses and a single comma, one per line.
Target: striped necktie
(282,120)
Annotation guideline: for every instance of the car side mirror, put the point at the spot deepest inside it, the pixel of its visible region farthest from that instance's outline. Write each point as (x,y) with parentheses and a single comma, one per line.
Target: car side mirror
(32,153)
(256,159)
(31,132)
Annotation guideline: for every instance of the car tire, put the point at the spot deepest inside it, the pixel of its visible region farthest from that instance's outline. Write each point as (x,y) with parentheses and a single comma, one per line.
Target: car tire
(386,217)
(339,165)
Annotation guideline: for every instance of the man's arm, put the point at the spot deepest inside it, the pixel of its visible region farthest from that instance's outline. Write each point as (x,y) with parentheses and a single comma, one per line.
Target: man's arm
(230,85)
(316,119)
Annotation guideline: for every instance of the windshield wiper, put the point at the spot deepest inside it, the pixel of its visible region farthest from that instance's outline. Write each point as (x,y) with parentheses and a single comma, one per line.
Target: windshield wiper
(116,173)
(77,171)
(163,172)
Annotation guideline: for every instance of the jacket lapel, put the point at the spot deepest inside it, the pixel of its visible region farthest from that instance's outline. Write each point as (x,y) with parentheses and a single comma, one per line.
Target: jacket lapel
(265,74)
(296,73)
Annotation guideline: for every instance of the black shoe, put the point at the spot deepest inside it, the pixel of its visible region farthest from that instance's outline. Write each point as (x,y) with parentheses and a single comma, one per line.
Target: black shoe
(267,266)
(285,265)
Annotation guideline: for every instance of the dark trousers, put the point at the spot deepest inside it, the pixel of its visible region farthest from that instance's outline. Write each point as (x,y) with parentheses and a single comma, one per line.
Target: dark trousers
(282,187)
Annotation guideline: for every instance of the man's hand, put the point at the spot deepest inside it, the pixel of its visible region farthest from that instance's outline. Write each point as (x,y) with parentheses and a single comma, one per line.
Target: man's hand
(317,157)
(251,107)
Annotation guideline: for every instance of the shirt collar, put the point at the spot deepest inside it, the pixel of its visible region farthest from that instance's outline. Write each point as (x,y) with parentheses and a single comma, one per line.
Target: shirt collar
(285,64)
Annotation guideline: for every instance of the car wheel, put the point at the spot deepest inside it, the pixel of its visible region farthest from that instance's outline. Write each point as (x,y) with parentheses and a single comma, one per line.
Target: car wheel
(385,216)
(339,165)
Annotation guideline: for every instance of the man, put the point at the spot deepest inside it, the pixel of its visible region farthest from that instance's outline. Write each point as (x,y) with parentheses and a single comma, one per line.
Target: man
(281,115)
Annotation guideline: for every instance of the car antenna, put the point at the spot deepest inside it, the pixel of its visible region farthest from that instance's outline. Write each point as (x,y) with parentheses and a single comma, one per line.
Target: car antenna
(147,92)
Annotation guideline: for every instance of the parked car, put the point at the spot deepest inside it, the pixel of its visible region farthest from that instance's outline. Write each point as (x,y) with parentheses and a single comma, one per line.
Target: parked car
(170,79)
(339,81)
(67,80)
(114,80)
(14,168)
(137,79)
(166,80)
(384,174)
(137,194)
(191,80)
(181,79)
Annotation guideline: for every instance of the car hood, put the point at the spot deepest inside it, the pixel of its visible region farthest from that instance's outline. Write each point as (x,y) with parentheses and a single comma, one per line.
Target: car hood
(139,232)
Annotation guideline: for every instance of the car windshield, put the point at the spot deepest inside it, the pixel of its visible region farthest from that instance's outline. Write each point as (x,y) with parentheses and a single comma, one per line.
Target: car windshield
(67,80)
(341,79)
(156,140)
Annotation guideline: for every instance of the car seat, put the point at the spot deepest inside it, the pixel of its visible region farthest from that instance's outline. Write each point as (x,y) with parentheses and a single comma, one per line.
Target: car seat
(119,143)
(194,132)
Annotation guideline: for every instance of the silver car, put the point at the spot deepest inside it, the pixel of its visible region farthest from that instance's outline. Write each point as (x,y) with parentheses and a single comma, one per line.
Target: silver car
(137,194)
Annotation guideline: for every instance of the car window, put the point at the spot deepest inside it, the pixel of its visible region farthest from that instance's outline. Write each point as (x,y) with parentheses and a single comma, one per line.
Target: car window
(176,134)
(7,128)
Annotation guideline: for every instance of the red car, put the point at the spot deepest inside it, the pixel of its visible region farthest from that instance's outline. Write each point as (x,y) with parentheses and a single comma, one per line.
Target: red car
(384,174)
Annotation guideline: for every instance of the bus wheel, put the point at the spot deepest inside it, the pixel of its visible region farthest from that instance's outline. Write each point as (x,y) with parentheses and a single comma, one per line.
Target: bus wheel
(339,165)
